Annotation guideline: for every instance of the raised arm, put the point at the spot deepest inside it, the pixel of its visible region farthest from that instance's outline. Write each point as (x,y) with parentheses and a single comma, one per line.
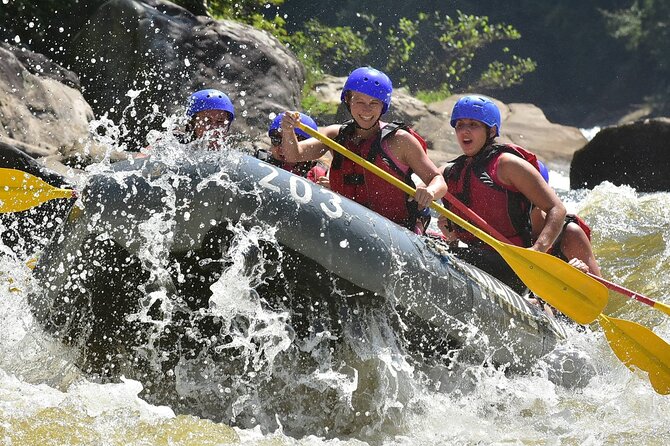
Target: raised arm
(307,150)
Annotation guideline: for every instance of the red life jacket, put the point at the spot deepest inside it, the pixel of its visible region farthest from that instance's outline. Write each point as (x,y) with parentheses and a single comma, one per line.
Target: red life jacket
(316,172)
(357,183)
(302,168)
(471,181)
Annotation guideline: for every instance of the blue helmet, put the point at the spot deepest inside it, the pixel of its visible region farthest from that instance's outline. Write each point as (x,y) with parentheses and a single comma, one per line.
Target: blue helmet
(372,82)
(210,99)
(478,108)
(543,171)
(276,123)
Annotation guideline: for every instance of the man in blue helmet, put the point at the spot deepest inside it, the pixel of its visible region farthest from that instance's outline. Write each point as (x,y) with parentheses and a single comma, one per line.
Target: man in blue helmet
(499,182)
(210,114)
(390,146)
(312,170)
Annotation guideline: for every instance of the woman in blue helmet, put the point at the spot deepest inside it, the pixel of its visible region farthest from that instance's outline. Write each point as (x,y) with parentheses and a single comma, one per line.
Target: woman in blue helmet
(501,183)
(312,170)
(367,95)
(210,114)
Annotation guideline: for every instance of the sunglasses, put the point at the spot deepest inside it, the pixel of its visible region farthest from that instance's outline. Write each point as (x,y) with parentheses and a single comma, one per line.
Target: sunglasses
(275,137)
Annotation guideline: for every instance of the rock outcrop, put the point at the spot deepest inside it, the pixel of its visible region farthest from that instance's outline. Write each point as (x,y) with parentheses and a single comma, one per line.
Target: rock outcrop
(140,60)
(522,124)
(42,111)
(634,154)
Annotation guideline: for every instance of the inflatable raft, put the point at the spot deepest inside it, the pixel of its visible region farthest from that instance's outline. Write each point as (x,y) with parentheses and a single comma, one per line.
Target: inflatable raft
(134,268)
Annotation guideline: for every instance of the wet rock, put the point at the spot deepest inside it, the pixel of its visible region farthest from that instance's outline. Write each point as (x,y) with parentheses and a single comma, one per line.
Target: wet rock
(42,111)
(634,154)
(140,60)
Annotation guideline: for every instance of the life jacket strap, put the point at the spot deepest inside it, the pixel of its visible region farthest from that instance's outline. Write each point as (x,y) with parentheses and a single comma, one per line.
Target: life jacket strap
(354,179)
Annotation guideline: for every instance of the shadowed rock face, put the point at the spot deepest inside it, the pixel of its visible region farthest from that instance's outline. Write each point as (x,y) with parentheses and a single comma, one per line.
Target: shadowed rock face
(140,60)
(634,154)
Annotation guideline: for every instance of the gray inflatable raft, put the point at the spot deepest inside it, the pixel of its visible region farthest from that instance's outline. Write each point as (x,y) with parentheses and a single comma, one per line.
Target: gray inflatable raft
(104,269)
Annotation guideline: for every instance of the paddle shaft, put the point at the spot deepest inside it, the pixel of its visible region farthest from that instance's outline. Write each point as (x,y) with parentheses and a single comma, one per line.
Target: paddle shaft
(630,293)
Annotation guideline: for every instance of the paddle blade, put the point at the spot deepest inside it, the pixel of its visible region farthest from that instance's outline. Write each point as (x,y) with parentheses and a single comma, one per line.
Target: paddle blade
(563,286)
(638,347)
(20,191)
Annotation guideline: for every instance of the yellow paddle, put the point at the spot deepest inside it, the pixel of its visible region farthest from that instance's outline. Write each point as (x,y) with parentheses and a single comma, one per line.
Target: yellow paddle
(633,344)
(20,191)
(564,287)
(637,346)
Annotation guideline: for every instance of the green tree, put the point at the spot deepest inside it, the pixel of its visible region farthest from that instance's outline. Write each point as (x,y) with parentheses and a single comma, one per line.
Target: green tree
(644,27)
(328,49)
(437,53)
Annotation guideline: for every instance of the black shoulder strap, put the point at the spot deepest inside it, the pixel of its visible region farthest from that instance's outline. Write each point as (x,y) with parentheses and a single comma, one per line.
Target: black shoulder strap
(388,130)
(346,130)
(392,127)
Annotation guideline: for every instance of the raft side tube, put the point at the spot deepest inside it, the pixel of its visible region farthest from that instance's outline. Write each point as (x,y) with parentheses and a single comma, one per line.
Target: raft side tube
(342,236)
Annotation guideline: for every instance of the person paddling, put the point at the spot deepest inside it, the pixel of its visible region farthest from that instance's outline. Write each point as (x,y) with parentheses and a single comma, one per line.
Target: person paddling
(210,112)
(312,170)
(390,146)
(500,183)
(573,244)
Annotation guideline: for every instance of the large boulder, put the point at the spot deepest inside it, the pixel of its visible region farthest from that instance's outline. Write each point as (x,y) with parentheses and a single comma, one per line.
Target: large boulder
(634,154)
(42,111)
(140,60)
(522,124)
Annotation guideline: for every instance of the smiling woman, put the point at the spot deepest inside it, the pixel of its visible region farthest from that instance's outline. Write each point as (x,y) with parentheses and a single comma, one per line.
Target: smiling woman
(392,147)
(501,183)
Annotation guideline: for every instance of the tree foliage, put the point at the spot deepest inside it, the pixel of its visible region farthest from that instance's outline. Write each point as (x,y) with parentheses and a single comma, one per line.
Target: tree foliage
(569,57)
(329,49)
(644,26)
(437,52)
(430,51)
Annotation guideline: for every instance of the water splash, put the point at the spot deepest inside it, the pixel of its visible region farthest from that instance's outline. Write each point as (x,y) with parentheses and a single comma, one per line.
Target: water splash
(330,367)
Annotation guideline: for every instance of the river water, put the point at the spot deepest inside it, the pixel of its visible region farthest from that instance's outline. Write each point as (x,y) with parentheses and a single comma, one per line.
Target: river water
(46,400)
